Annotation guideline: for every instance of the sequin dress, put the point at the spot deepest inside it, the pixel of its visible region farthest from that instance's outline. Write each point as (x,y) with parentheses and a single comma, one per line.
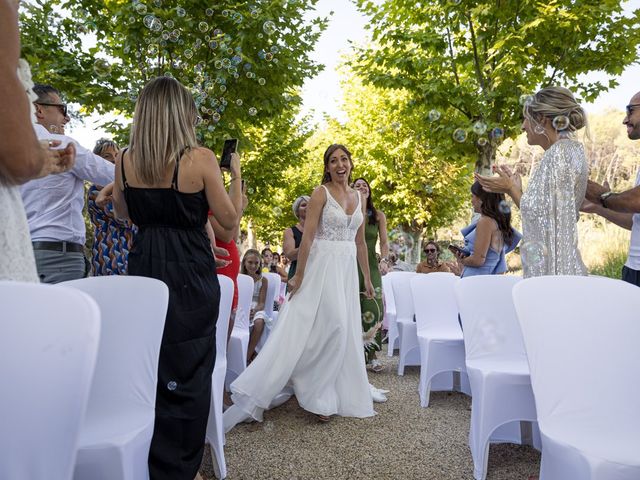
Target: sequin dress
(550,210)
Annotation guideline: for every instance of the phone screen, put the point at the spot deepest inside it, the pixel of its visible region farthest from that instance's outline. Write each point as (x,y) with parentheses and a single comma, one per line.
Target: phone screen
(230,146)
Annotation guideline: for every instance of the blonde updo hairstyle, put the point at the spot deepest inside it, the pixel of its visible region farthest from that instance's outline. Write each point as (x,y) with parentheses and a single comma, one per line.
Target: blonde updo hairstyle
(552,103)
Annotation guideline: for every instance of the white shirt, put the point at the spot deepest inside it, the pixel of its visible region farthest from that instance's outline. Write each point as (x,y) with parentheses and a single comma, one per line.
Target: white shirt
(54,203)
(633,260)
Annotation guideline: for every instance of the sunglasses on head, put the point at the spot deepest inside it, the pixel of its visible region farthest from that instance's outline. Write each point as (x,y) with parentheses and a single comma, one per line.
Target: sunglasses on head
(61,106)
(629,108)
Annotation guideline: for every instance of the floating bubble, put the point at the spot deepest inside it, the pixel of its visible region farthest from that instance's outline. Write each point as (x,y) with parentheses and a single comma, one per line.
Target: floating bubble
(188,53)
(368,318)
(141,8)
(434,115)
(460,135)
(213,44)
(269,27)
(215,117)
(153,49)
(497,132)
(203,27)
(479,127)
(262,81)
(209,12)
(277,211)
(223,88)
(533,253)
(455,2)
(428,188)
(287,97)
(218,64)
(254,12)
(172,385)
(525,99)
(101,67)
(181,12)
(253,111)
(561,122)
(504,207)
(239,102)
(260,35)
(152,23)
(395,126)
(157,3)
(482,141)
(268,56)
(131,20)
(169,24)
(198,120)
(250,190)
(225,13)
(400,241)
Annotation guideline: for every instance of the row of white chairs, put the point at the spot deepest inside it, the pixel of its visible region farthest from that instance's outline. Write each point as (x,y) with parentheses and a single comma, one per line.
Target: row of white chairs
(79,361)
(574,374)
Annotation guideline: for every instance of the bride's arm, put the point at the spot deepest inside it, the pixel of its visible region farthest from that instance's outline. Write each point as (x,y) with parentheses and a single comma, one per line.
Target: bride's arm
(363,254)
(314,210)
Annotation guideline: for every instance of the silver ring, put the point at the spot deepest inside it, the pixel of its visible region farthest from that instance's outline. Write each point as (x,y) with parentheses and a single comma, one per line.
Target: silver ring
(50,143)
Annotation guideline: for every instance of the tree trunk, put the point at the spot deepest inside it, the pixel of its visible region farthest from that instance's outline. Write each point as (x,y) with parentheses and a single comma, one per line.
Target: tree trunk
(486,157)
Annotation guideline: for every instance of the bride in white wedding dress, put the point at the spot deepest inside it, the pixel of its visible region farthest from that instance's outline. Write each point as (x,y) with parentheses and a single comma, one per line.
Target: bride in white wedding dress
(315,349)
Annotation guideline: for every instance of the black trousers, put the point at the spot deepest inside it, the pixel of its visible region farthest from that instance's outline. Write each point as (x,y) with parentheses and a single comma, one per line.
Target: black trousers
(631,276)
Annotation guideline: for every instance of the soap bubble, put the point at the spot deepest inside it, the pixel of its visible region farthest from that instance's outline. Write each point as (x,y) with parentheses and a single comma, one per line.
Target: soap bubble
(497,132)
(525,99)
(141,8)
(400,241)
(368,318)
(169,24)
(181,12)
(434,115)
(428,189)
(172,385)
(268,56)
(561,122)
(239,102)
(262,81)
(153,49)
(504,207)
(533,253)
(269,27)
(253,111)
(188,53)
(209,12)
(479,127)
(101,67)
(482,141)
(152,23)
(460,135)
(203,27)
(277,211)
(250,190)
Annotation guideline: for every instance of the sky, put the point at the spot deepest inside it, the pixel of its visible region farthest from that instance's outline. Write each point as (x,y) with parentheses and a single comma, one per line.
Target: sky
(321,95)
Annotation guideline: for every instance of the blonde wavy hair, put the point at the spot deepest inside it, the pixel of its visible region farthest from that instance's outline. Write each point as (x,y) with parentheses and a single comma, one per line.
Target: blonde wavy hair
(553,103)
(163,127)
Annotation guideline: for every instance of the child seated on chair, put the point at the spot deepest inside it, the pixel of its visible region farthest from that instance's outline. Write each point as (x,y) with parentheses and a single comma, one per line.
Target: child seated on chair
(252,266)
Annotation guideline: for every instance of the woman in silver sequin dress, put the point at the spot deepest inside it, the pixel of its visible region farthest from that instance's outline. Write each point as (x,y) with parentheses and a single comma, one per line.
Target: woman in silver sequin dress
(550,206)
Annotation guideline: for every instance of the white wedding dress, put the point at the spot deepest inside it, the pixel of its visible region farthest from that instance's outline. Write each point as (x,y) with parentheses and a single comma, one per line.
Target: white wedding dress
(315,349)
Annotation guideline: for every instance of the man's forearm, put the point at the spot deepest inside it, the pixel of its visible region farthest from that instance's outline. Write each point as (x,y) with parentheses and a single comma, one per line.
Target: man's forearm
(624,220)
(625,202)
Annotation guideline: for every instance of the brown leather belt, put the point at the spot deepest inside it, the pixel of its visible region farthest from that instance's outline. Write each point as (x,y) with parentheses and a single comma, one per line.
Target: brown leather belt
(58,246)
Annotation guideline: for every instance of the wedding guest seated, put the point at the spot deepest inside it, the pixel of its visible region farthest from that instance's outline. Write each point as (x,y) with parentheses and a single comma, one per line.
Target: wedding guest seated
(252,266)
(432,263)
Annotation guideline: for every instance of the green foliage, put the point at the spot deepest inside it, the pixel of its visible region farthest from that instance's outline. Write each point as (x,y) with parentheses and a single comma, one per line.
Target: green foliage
(415,183)
(472,61)
(612,265)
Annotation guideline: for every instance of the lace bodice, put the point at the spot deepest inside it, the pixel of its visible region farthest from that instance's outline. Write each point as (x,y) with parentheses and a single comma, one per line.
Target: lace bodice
(335,224)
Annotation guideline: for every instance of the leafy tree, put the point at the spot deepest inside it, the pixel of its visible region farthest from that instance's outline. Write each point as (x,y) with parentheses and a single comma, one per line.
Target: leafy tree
(467,64)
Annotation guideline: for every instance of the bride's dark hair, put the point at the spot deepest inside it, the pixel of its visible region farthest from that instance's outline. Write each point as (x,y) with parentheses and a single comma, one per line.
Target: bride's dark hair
(326,178)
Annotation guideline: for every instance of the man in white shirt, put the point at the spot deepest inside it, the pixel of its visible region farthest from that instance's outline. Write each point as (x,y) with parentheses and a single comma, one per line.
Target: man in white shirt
(54,204)
(623,208)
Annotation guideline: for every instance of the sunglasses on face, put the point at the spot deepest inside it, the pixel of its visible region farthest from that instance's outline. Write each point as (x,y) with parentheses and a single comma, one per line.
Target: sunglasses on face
(430,250)
(629,108)
(61,106)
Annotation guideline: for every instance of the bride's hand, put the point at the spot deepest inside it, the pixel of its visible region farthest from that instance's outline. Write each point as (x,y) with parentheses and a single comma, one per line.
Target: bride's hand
(294,284)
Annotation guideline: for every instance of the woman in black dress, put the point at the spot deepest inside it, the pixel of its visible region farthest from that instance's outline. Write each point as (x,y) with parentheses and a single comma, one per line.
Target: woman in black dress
(166,185)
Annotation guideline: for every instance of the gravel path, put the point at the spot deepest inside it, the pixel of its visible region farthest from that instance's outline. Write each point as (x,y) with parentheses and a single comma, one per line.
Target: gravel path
(403,441)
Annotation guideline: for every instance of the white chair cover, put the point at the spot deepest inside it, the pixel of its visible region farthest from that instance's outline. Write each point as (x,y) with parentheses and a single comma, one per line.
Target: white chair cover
(390,315)
(117,429)
(409,351)
(49,339)
(439,333)
(215,433)
(581,336)
(239,340)
(496,364)
(273,284)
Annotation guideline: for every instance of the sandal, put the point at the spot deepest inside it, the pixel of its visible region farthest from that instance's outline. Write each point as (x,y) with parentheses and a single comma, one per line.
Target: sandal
(375,366)
(323,418)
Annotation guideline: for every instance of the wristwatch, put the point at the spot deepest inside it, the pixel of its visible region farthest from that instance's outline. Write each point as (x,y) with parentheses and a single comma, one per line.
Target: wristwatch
(604,196)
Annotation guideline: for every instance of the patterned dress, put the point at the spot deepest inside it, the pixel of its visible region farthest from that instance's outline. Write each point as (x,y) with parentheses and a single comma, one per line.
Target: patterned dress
(371,309)
(112,238)
(550,209)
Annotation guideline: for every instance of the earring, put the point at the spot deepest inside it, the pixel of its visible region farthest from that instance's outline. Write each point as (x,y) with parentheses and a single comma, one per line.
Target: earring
(539,129)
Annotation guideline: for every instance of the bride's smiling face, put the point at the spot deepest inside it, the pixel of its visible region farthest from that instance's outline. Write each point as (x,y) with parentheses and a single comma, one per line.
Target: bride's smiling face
(339,166)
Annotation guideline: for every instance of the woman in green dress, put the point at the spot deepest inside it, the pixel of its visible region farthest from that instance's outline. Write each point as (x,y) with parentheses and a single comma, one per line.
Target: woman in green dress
(372,309)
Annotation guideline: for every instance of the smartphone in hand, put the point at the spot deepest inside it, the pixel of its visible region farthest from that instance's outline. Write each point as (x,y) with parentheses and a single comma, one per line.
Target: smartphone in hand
(456,250)
(230,147)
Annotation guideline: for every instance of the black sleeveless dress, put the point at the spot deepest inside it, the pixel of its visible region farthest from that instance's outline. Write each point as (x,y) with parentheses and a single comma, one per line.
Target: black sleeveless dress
(297,239)
(172,246)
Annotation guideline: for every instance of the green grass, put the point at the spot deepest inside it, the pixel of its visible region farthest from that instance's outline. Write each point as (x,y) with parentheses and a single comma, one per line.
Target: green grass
(612,265)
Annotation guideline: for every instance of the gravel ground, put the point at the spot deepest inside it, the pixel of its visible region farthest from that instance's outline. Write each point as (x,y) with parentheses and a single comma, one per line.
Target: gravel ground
(403,441)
